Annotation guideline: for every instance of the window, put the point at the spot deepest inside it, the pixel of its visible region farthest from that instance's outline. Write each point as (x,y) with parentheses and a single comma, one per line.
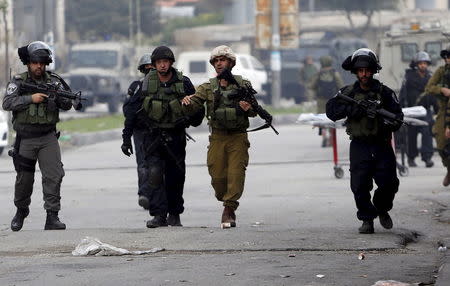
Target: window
(409,50)
(244,62)
(256,64)
(197,67)
(434,50)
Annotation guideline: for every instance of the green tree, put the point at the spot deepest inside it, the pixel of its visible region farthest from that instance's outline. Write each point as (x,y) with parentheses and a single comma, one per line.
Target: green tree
(352,7)
(108,19)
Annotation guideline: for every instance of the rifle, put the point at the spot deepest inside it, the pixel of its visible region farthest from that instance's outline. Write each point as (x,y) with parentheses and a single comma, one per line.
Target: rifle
(371,107)
(53,90)
(247,93)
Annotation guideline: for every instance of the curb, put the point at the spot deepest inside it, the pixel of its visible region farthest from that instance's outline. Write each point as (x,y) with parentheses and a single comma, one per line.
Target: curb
(81,139)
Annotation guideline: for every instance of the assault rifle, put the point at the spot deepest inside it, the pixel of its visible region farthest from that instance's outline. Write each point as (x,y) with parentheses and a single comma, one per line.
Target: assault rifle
(53,90)
(371,107)
(247,93)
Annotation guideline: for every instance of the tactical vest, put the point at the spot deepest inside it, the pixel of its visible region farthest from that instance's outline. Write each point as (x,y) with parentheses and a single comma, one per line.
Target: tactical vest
(36,113)
(364,127)
(326,85)
(225,112)
(162,104)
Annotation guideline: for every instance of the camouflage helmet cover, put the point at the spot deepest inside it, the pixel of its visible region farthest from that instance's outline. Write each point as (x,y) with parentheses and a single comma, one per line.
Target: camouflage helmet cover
(224,51)
(326,61)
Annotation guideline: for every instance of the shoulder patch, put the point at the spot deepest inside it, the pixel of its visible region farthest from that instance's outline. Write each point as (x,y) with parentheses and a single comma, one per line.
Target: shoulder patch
(11,88)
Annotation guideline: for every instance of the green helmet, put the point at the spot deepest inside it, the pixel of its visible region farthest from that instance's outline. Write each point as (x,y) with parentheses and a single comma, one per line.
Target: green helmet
(326,61)
(162,52)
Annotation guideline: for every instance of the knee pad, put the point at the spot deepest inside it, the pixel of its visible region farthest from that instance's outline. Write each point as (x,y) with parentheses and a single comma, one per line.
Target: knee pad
(155,176)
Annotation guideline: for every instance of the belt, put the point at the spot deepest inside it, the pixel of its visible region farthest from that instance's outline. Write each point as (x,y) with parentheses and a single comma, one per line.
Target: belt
(225,132)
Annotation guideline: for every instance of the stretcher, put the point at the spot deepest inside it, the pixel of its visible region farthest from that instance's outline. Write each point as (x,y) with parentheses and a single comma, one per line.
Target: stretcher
(322,121)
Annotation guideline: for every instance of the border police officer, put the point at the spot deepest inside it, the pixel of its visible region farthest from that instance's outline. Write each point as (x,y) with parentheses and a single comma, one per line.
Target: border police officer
(34,120)
(371,154)
(411,94)
(134,126)
(228,120)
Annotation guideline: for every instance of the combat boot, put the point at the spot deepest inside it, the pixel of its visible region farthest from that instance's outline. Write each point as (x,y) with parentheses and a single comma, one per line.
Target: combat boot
(143,202)
(446,181)
(412,163)
(228,217)
(385,220)
(17,221)
(157,221)
(366,227)
(428,163)
(174,220)
(52,222)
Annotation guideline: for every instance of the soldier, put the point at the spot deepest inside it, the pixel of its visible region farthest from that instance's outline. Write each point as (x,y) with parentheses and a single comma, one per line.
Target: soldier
(411,94)
(371,154)
(228,120)
(34,120)
(439,86)
(165,146)
(133,126)
(325,84)
(307,72)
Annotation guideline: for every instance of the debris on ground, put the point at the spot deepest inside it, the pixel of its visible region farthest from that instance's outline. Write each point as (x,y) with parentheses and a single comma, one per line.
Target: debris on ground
(361,256)
(320,275)
(390,283)
(93,246)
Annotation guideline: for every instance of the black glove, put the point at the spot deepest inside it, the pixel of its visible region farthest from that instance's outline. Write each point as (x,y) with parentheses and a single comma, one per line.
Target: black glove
(126,147)
(182,122)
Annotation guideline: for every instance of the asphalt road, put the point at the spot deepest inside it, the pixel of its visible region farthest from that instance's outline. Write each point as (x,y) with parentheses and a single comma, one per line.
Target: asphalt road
(295,221)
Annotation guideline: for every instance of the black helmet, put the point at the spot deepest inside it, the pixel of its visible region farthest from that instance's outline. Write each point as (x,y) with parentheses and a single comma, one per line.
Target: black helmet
(445,53)
(162,52)
(146,59)
(36,51)
(361,58)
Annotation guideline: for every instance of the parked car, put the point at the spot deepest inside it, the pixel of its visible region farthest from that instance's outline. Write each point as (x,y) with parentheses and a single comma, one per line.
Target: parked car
(196,66)
(4,130)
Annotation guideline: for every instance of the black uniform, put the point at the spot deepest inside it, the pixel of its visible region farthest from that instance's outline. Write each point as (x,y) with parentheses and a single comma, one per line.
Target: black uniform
(134,126)
(410,95)
(165,153)
(371,157)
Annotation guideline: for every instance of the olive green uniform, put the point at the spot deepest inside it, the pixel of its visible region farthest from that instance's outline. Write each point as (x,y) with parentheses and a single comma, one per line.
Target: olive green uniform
(228,143)
(441,78)
(333,81)
(35,125)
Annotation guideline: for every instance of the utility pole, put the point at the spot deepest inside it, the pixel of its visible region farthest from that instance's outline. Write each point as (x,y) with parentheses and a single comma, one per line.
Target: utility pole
(275,56)
(130,20)
(138,22)
(4,8)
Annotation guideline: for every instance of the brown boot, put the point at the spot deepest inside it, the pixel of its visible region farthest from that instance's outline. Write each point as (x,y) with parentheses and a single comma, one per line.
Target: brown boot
(446,181)
(228,218)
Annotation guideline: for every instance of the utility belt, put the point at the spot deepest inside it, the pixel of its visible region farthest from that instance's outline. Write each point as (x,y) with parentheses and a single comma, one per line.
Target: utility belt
(372,139)
(225,131)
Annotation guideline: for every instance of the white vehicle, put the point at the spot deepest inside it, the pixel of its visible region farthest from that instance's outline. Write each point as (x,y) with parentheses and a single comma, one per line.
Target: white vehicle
(4,130)
(196,66)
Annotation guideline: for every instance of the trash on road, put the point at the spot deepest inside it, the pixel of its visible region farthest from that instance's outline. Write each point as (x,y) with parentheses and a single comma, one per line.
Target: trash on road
(320,275)
(292,255)
(92,246)
(285,276)
(361,256)
(230,274)
(257,223)
(442,248)
(390,283)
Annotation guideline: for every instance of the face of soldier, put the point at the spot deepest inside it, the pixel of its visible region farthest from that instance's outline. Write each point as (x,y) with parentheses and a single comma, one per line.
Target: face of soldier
(163,66)
(221,63)
(364,75)
(422,66)
(447,60)
(36,69)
